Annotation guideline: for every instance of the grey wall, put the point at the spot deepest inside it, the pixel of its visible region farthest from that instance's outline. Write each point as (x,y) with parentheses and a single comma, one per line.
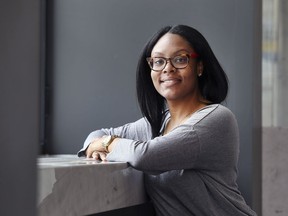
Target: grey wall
(19,105)
(93,47)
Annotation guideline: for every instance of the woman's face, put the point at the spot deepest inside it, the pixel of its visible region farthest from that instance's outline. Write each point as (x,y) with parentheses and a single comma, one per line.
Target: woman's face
(175,84)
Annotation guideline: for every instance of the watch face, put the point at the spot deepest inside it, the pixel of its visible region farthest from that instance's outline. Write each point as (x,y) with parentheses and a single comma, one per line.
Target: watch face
(106,140)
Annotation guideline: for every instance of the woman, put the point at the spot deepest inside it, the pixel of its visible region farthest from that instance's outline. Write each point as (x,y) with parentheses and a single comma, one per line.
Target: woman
(187,144)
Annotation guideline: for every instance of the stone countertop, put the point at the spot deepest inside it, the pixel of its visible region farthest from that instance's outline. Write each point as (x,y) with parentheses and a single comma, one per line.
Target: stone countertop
(68,185)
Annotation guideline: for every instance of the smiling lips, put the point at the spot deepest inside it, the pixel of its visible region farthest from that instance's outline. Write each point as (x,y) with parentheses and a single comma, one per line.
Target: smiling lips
(170,81)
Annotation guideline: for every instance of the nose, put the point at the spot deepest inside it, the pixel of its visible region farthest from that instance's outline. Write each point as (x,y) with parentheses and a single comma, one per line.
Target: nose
(169,67)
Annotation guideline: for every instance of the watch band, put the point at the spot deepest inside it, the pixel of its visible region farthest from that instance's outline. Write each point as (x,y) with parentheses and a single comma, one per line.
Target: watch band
(107,140)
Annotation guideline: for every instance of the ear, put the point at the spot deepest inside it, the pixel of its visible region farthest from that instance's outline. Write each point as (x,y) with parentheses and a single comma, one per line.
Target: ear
(200,68)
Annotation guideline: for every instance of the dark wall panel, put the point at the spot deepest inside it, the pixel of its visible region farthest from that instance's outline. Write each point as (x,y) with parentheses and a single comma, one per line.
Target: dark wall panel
(19,105)
(93,48)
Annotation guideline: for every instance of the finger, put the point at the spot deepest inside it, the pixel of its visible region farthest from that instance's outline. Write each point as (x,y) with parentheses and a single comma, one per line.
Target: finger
(95,155)
(102,156)
(89,152)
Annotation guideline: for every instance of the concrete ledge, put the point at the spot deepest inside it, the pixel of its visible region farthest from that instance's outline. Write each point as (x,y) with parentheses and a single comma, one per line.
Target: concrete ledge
(68,185)
(275,171)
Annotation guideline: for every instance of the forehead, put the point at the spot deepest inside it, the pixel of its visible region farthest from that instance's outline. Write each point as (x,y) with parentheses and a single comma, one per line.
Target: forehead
(171,43)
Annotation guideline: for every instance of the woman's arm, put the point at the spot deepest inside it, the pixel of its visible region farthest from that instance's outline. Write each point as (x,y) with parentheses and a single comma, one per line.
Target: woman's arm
(139,130)
(178,149)
(207,141)
(210,137)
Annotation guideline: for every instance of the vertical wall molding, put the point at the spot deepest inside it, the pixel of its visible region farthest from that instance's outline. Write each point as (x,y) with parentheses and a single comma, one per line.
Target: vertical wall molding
(20,105)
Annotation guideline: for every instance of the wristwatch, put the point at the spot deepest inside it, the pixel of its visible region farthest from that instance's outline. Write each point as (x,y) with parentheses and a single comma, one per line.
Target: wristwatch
(107,140)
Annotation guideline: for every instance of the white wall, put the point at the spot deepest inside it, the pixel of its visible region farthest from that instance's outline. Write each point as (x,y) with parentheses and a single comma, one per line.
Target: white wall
(275,108)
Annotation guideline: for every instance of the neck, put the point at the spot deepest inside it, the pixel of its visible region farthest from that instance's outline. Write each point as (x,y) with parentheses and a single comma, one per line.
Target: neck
(180,112)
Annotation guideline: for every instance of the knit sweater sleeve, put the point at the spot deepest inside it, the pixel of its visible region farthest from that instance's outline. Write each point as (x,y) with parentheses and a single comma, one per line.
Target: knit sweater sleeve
(198,143)
(207,140)
(138,130)
(178,149)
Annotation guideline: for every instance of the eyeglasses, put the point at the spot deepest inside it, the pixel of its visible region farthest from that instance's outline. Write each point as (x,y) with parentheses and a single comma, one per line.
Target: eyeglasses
(178,62)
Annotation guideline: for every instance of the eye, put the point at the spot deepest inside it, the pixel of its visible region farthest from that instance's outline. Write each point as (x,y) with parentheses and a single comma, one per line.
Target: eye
(180,59)
(158,61)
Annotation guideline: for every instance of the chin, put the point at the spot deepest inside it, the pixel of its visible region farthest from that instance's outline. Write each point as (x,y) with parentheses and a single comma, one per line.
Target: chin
(171,97)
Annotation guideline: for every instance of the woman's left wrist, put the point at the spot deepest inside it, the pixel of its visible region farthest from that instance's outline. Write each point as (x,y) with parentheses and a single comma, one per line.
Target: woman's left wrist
(107,140)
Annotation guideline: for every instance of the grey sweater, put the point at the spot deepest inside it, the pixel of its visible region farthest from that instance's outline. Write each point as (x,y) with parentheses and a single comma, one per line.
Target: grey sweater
(190,171)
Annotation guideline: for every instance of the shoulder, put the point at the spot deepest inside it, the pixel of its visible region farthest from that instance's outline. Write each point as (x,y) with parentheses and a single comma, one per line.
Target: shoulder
(223,112)
(216,107)
(215,114)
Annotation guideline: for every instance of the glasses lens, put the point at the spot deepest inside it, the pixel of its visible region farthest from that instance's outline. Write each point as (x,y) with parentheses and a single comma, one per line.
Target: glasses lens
(180,61)
(157,63)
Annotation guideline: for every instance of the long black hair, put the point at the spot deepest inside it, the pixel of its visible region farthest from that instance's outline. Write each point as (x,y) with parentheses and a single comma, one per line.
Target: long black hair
(213,84)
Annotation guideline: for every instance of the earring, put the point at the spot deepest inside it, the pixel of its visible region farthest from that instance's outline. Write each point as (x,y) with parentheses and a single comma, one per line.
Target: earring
(200,70)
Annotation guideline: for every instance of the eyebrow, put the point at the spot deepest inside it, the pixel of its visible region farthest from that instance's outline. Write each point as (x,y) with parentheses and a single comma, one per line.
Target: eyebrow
(178,51)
